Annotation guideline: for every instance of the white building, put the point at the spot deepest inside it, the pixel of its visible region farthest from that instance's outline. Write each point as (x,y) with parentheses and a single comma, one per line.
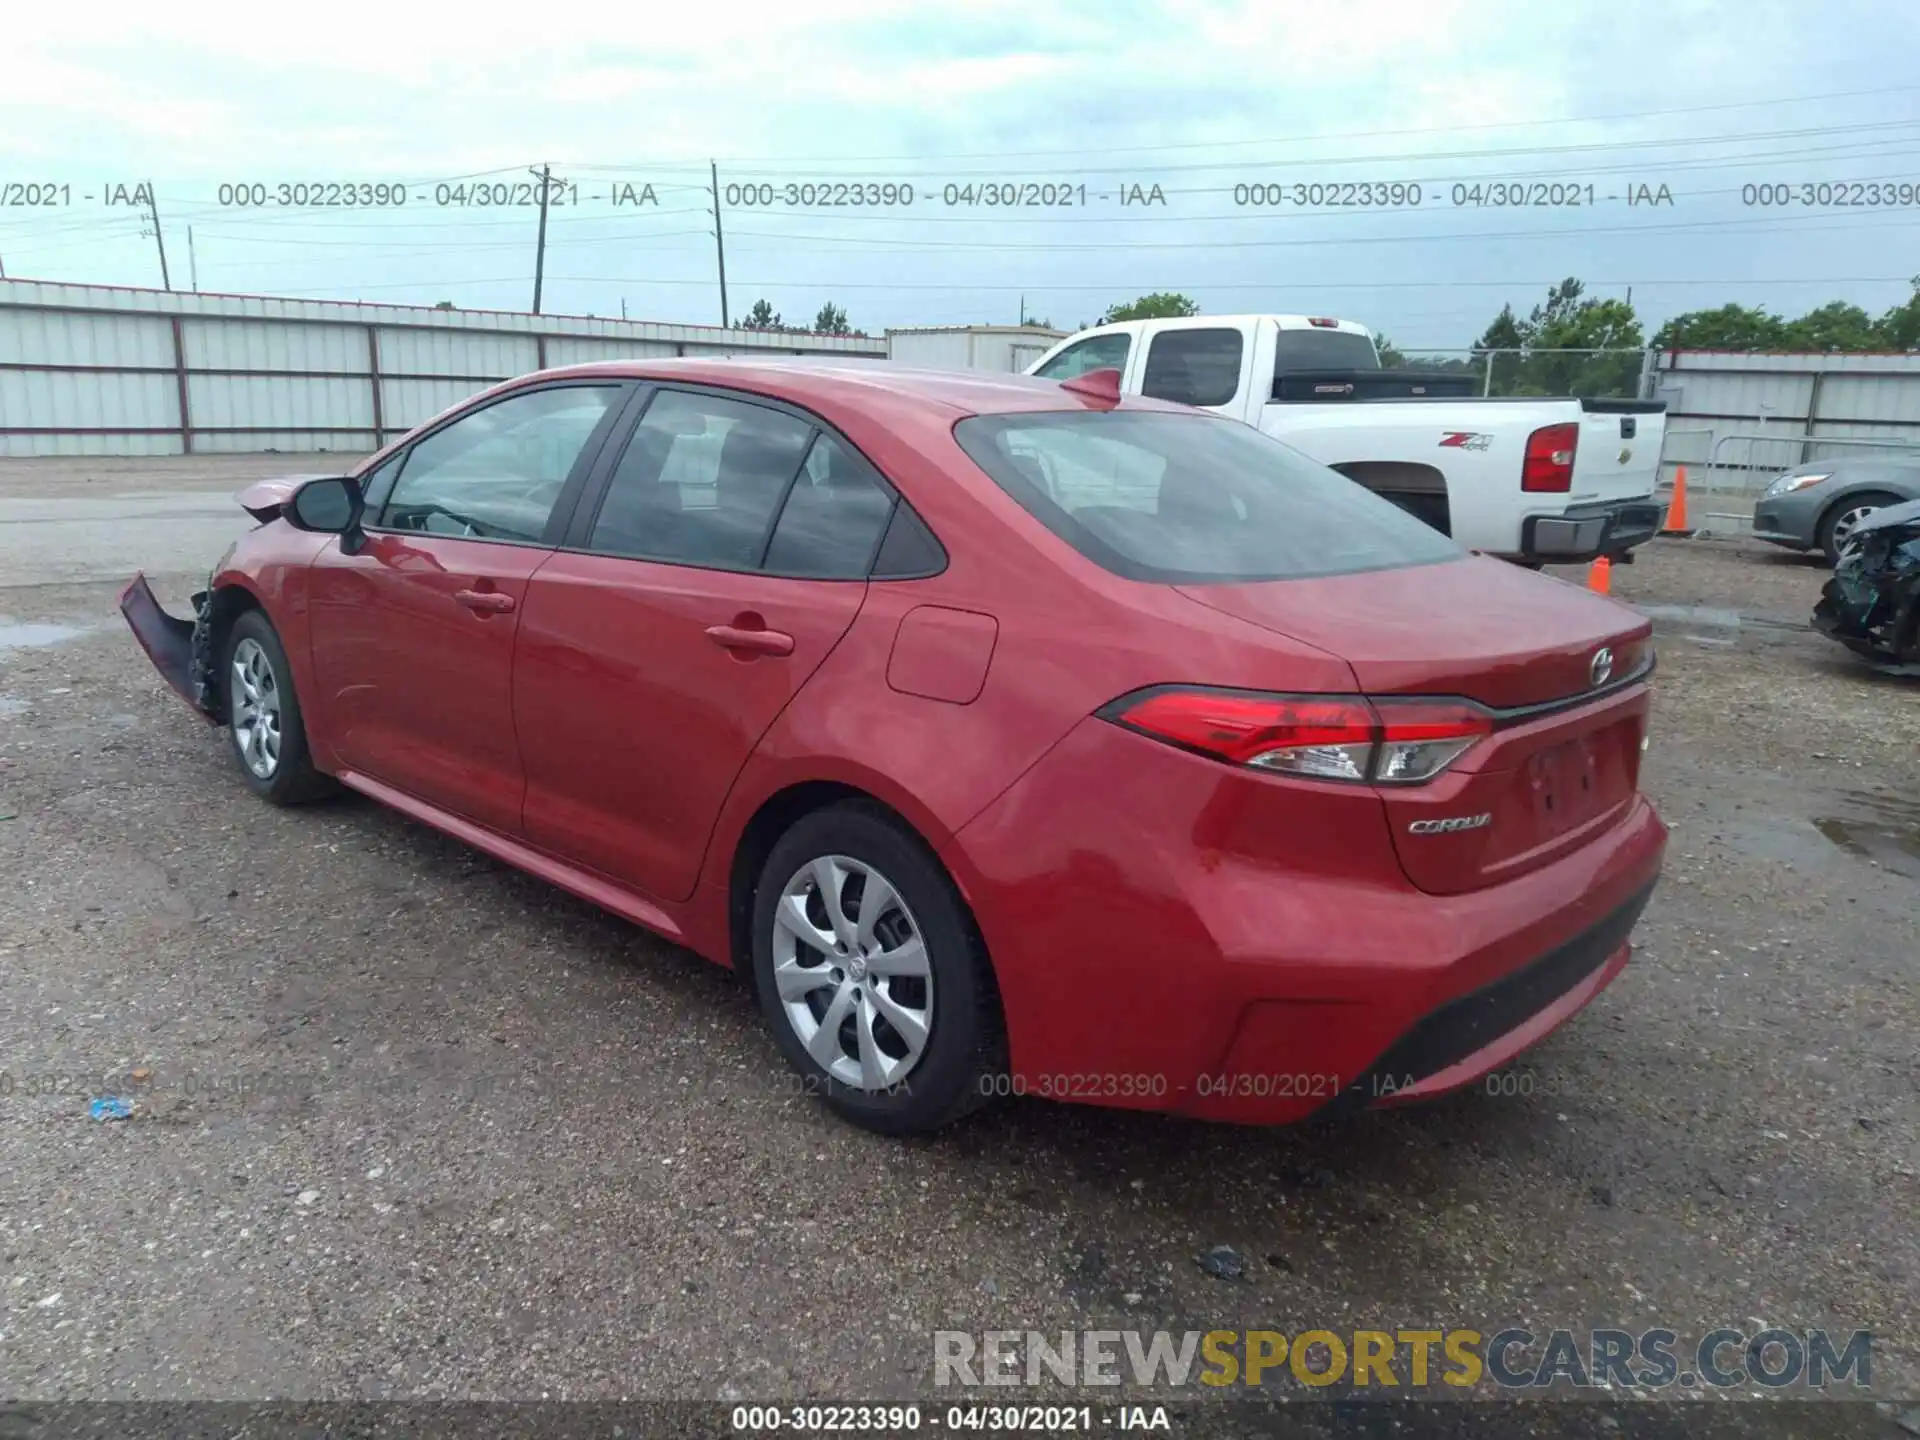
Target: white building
(1008,349)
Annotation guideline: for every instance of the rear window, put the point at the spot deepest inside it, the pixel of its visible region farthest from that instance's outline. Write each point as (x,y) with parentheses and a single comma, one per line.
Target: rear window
(1321,349)
(1188,499)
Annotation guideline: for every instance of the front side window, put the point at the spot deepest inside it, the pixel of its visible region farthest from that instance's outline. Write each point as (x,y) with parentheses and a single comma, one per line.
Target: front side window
(1190,498)
(376,486)
(1194,367)
(1097,352)
(495,474)
(700,482)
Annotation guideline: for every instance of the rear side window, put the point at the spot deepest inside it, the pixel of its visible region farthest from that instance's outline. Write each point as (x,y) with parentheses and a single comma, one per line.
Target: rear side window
(1194,367)
(1191,499)
(831,524)
(1097,352)
(700,482)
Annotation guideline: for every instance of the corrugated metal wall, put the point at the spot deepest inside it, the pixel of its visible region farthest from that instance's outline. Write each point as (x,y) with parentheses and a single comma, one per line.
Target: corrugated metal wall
(97,370)
(1748,417)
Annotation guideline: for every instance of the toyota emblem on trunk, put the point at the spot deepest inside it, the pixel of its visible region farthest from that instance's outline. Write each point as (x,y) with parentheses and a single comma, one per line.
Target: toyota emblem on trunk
(1601,670)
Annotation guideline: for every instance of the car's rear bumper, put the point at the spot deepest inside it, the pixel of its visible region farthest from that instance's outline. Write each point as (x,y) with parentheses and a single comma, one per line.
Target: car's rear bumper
(168,640)
(1585,532)
(1159,946)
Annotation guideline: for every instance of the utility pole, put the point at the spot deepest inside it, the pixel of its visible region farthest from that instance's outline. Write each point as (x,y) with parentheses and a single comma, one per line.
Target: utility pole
(719,242)
(193,265)
(153,211)
(545,175)
(623,307)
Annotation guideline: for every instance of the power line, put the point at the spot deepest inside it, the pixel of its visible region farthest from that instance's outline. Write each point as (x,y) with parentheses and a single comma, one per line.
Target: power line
(1770,102)
(1591,147)
(1108,286)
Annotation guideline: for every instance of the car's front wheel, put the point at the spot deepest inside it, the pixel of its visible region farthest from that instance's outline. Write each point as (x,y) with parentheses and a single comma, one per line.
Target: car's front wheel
(1839,523)
(870,975)
(263,716)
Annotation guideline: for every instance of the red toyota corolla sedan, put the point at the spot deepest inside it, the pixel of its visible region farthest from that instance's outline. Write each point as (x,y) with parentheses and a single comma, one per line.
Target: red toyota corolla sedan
(1007,737)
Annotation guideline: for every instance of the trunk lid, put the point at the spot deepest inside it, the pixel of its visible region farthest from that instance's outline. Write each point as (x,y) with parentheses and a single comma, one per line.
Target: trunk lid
(1618,457)
(1563,761)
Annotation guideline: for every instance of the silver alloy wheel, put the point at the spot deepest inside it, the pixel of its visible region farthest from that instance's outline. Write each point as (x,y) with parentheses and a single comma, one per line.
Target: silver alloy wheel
(1847,523)
(256,709)
(852,970)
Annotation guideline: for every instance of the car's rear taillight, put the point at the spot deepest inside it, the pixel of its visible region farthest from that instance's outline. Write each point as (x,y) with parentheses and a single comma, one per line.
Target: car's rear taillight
(1548,466)
(1318,737)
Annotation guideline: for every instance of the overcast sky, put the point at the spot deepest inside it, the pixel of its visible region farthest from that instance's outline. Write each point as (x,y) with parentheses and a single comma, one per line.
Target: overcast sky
(1705,97)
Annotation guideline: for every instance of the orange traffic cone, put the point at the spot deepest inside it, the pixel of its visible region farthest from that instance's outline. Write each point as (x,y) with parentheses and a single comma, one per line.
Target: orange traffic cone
(1600,576)
(1676,522)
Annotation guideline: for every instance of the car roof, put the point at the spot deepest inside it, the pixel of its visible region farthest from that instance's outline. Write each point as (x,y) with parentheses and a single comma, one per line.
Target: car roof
(833,383)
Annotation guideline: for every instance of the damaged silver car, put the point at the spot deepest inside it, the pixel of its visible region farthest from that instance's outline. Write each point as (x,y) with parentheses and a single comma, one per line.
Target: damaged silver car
(1872,603)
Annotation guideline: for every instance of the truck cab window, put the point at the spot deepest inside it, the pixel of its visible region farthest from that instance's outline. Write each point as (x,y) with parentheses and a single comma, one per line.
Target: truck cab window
(1194,367)
(1096,352)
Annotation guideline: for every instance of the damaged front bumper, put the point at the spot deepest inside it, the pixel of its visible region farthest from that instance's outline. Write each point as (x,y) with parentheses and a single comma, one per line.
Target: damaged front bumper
(1872,603)
(179,649)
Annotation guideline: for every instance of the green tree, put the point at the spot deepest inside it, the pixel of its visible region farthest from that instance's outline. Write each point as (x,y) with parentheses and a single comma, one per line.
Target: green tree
(1499,346)
(1836,325)
(761,317)
(1731,327)
(1392,357)
(1550,343)
(1899,328)
(831,320)
(1158,306)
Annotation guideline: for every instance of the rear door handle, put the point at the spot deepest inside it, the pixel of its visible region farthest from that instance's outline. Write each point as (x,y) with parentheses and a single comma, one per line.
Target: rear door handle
(485,602)
(757,642)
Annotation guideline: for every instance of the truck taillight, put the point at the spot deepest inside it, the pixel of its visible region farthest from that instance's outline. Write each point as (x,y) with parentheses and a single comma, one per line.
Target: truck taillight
(1316,737)
(1548,466)
(1321,322)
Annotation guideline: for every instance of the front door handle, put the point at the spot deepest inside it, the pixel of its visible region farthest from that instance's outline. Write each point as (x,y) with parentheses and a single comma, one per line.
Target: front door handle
(756,642)
(485,602)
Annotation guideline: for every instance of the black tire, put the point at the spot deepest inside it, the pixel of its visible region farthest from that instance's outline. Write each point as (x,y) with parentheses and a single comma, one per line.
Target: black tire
(1846,505)
(964,1049)
(292,780)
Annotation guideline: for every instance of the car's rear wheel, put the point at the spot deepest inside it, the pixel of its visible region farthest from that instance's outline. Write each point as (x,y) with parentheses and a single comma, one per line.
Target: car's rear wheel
(870,975)
(1844,517)
(263,716)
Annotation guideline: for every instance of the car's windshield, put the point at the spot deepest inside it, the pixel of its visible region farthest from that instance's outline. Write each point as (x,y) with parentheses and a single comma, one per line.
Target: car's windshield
(1157,495)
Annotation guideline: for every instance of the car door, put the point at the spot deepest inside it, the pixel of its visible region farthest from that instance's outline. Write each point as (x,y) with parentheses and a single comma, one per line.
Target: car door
(725,557)
(413,633)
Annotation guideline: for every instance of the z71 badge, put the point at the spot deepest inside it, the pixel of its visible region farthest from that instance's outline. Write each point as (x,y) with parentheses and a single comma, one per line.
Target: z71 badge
(1465,440)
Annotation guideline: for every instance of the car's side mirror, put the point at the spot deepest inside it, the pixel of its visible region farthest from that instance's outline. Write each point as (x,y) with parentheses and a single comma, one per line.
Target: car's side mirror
(329,506)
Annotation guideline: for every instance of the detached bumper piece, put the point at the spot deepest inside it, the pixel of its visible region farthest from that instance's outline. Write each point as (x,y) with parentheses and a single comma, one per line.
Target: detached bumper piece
(176,647)
(1589,532)
(1872,603)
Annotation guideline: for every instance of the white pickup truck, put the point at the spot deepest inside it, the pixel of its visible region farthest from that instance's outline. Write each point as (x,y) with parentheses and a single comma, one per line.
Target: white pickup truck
(1539,481)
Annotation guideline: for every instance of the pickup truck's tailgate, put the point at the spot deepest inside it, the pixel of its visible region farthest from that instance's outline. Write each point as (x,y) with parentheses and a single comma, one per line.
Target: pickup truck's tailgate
(1618,457)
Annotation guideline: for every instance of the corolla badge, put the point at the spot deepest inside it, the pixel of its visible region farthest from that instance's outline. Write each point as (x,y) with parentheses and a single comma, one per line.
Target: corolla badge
(1600,670)
(1449,825)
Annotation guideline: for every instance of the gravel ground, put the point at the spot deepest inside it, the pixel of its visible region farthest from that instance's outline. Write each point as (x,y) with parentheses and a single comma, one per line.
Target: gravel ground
(411,1124)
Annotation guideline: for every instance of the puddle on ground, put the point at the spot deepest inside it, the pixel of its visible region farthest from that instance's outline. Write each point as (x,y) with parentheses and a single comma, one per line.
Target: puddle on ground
(14,705)
(33,634)
(1718,617)
(1695,614)
(1890,837)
